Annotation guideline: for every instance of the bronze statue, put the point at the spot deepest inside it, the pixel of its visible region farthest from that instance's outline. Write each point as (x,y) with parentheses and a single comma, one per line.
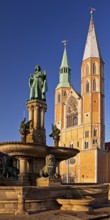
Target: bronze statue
(49,170)
(24,129)
(56,135)
(38,84)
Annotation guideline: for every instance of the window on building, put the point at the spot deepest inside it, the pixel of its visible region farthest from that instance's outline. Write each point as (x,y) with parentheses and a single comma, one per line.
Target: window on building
(65,70)
(94,141)
(71,145)
(77,143)
(87,86)
(95,132)
(71,120)
(68,121)
(58,97)
(75,121)
(94,85)
(64,93)
(94,68)
(86,145)
(72,112)
(86,134)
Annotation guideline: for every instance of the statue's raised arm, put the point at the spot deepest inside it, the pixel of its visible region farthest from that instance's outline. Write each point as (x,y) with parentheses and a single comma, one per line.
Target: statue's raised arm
(38,84)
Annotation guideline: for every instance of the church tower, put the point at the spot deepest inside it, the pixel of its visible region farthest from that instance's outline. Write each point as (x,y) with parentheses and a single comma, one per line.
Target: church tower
(80,117)
(92,91)
(62,89)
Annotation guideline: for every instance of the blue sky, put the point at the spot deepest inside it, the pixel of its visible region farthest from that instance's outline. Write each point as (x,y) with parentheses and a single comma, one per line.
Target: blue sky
(31,32)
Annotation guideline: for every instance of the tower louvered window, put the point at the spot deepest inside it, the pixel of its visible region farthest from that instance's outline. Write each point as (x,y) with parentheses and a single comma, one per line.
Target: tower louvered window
(87,86)
(94,85)
(58,97)
(94,68)
(95,132)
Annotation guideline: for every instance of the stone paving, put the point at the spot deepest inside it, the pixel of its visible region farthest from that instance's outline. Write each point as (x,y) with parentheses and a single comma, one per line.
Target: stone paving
(100,213)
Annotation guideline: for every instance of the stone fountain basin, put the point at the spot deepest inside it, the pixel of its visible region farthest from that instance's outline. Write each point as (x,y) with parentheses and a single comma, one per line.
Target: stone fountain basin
(73,201)
(33,150)
(76,204)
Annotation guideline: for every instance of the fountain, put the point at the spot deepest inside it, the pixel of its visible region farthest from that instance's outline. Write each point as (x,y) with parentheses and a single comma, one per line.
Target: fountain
(38,185)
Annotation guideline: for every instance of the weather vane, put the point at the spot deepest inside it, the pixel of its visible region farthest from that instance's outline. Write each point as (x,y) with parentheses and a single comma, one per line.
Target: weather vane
(65,42)
(91,12)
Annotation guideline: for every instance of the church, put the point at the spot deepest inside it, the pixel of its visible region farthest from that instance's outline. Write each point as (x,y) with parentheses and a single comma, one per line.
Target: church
(80,116)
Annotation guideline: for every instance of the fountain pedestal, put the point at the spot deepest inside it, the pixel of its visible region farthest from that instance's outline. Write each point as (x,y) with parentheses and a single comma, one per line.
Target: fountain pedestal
(47,181)
(23,180)
(36,109)
(23,177)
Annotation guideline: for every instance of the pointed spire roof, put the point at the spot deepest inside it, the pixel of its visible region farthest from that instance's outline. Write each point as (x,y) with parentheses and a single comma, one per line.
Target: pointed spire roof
(65,71)
(92,48)
(64,62)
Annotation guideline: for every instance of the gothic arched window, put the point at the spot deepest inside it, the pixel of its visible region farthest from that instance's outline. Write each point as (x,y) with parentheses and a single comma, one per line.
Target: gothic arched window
(94,85)
(75,121)
(87,86)
(58,97)
(68,120)
(71,145)
(72,112)
(94,68)
(64,93)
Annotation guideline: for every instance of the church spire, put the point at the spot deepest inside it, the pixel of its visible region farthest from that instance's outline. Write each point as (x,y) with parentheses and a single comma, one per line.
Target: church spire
(64,80)
(92,48)
(64,62)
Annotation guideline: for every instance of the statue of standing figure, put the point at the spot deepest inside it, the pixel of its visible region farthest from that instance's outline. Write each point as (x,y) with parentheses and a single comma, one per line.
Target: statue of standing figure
(38,84)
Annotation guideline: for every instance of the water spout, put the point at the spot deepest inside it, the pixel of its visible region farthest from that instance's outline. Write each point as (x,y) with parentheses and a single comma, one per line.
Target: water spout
(82,197)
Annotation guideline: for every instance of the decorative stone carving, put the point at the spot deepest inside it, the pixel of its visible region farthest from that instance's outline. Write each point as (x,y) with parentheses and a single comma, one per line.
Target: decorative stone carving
(55,134)
(72,105)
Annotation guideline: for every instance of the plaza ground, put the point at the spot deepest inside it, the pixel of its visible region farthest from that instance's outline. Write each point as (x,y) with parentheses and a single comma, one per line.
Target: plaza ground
(100,213)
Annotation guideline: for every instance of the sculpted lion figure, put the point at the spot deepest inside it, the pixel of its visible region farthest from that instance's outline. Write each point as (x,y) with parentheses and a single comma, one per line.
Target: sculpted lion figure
(49,170)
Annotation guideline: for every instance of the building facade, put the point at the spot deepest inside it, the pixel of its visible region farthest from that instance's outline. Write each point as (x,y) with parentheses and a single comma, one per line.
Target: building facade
(80,116)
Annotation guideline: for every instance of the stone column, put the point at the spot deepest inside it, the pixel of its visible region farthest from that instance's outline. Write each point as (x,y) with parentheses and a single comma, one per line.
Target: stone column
(23,165)
(42,117)
(36,117)
(31,116)
(23,177)
(57,168)
(30,113)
